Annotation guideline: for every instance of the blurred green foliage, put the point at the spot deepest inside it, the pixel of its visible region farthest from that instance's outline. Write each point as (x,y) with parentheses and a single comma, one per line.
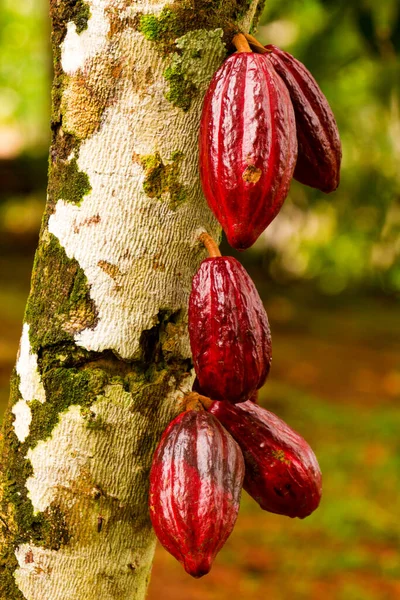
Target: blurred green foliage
(25,73)
(352,237)
(347,240)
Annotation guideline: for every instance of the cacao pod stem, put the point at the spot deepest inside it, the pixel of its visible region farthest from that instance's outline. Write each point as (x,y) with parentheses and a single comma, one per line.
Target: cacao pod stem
(211,246)
(256,45)
(195,401)
(240,43)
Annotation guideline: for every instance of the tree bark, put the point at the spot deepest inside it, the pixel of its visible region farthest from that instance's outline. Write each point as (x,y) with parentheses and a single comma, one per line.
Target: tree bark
(104,358)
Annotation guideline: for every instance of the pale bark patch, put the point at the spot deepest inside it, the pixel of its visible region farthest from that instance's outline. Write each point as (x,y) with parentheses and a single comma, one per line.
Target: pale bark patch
(30,383)
(30,386)
(23,419)
(113,571)
(77,48)
(133,232)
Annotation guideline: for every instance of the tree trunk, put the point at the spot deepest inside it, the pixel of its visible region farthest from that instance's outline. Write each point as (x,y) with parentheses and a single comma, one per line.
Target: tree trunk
(104,357)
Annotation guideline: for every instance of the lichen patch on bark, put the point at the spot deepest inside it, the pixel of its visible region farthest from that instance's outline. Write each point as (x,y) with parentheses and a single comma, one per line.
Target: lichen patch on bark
(90,90)
(162,180)
(183,74)
(23,418)
(30,386)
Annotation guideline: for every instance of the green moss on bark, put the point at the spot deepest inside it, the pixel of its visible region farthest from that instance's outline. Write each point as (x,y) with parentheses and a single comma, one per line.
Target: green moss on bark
(176,19)
(162,180)
(59,304)
(181,91)
(184,72)
(11,502)
(64,387)
(80,14)
(67,182)
(8,565)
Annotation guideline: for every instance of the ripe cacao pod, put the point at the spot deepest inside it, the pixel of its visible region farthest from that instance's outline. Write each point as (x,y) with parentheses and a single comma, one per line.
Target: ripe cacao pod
(320,152)
(248,146)
(195,485)
(229,331)
(282,472)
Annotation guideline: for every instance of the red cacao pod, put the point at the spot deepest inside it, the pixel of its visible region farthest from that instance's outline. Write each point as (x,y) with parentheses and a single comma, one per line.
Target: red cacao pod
(195,485)
(320,152)
(282,472)
(229,331)
(248,146)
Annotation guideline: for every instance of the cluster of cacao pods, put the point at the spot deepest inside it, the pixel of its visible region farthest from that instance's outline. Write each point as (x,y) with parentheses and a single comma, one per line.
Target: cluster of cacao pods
(265,120)
(205,457)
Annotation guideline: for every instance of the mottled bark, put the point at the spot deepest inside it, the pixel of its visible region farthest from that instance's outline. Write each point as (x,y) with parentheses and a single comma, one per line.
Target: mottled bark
(104,358)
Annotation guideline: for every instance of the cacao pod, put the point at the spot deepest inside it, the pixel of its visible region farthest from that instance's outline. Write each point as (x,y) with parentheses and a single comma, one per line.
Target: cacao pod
(320,152)
(282,472)
(195,485)
(247,146)
(229,331)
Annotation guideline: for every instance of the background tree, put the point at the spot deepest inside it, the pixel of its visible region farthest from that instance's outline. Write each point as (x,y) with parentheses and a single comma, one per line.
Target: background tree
(104,356)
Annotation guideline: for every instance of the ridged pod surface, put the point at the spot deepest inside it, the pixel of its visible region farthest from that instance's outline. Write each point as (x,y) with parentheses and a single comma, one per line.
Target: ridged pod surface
(195,485)
(320,151)
(282,472)
(229,331)
(248,146)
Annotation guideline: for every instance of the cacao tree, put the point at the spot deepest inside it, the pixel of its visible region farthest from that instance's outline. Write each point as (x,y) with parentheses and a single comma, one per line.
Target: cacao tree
(104,357)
